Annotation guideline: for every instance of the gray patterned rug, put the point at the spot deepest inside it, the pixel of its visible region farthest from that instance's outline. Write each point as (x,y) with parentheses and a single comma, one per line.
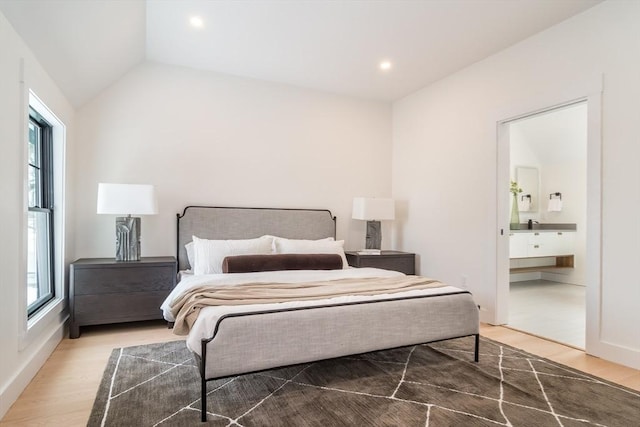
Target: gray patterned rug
(424,385)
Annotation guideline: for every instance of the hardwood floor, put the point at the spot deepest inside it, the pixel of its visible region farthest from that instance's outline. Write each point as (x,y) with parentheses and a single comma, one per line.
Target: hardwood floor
(565,355)
(62,392)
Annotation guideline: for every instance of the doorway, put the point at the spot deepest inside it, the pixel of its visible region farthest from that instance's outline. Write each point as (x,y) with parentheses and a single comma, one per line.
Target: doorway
(548,166)
(554,176)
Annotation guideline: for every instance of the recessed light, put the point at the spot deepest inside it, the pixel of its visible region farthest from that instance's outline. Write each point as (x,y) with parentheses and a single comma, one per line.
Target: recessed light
(196,22)
(385,65)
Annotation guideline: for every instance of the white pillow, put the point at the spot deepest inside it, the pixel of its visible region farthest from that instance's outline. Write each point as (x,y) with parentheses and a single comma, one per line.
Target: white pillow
(209,254)
(190,255)
(323,246)
(276,238)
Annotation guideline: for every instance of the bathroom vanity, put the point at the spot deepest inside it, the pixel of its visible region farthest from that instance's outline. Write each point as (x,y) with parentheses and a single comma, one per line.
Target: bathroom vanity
(545,247)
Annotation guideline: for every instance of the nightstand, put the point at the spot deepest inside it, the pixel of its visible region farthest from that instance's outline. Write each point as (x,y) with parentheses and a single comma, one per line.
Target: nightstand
(403,262)
(103,291)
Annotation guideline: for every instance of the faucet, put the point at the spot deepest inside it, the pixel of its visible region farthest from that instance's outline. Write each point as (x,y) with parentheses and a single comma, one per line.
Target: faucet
(530,224)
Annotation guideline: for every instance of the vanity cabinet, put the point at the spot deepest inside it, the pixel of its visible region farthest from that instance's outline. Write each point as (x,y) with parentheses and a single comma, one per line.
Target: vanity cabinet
(542,244)
(531,244)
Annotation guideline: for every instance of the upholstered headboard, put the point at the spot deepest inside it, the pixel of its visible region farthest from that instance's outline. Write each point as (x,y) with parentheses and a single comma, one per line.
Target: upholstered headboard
(221,223)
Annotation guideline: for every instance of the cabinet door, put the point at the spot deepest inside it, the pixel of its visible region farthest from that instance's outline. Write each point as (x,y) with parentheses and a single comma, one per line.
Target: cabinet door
(518,245)
(565,241)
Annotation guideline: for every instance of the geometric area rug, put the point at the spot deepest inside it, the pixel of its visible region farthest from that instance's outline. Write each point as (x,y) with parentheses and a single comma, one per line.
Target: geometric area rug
(424,385)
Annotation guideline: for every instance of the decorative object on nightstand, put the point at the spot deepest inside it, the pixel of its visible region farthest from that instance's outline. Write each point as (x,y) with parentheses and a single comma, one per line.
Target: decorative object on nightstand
(373,211)
(403,262)
(127,199)
(103,291)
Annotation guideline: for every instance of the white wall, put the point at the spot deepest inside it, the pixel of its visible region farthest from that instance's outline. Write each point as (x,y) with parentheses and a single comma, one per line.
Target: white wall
(212,139)
(444,160)
(21,357)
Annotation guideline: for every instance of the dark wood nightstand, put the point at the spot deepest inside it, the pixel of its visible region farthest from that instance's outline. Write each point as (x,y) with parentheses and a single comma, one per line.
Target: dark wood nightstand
(403,262)
(103,291)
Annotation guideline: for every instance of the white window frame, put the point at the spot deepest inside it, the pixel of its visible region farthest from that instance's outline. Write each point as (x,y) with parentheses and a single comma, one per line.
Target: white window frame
(53,311)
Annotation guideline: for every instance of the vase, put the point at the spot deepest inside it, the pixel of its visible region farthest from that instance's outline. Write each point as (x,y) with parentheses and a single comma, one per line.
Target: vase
(514,223)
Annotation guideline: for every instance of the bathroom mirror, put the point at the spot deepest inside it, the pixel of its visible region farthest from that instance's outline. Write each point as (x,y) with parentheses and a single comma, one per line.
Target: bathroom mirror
(527,178)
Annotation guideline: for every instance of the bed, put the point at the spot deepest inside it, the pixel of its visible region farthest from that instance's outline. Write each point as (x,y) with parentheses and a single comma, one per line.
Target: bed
(237,339)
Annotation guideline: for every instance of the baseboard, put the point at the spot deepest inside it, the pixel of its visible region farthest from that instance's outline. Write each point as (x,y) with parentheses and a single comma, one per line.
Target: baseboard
(614,353)
(30,368)
(523,277)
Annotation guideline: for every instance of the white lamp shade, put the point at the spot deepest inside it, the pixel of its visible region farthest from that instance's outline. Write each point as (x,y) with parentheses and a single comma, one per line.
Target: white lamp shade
(373,209)
(127,199)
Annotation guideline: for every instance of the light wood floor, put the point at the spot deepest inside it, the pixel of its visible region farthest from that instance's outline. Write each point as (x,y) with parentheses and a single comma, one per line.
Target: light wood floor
(62,392)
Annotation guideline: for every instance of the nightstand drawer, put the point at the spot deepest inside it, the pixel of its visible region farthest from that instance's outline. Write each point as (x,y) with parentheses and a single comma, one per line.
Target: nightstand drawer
(114,308)
(90,281)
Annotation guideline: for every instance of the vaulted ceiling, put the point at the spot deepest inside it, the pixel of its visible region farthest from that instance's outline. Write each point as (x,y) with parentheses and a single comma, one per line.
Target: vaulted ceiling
(334,46)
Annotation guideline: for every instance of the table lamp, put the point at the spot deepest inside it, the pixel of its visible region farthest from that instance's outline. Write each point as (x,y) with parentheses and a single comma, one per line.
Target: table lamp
(373,211)
(127,199)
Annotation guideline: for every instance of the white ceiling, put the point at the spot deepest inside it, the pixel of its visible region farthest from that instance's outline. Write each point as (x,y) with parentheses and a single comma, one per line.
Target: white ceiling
(334,46)
(84,45)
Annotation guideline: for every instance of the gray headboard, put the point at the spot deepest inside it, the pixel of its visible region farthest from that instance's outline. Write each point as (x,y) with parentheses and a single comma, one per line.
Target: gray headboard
(222,223)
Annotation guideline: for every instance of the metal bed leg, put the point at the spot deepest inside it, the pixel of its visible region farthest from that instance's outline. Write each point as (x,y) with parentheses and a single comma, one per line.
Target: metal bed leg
(203,400)
(203,381)
(476,354)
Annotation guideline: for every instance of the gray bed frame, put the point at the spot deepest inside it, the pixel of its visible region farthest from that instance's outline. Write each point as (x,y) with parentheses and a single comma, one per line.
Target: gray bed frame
(255,341)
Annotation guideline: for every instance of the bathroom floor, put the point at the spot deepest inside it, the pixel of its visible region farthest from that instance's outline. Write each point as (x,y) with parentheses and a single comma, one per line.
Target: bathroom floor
(549,309)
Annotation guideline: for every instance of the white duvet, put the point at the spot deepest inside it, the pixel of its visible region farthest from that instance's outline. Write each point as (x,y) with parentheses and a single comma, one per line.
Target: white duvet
(205,324)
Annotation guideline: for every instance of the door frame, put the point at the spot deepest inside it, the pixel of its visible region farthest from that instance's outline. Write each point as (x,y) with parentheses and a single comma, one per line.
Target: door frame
(591,92)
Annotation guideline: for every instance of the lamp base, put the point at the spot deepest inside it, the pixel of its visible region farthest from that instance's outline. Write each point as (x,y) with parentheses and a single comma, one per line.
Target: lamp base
(374,235)
(127,239)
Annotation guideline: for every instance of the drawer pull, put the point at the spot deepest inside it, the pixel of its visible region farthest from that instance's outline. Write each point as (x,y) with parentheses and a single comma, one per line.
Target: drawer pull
(559,233)
(536,246)
(536,234)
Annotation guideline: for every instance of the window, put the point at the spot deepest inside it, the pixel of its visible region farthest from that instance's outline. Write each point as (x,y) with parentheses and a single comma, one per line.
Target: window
(42,296)
(40,235)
